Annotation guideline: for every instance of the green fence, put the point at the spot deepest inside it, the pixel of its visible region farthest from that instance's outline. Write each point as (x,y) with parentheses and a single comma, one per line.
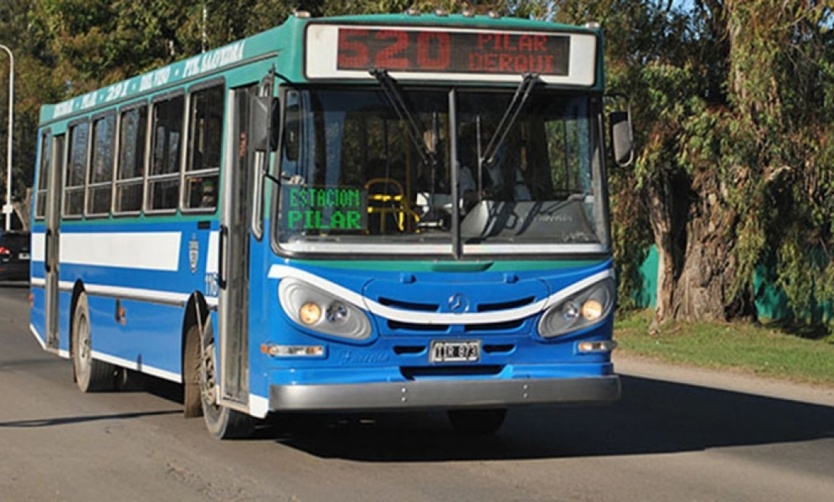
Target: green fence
(771,301)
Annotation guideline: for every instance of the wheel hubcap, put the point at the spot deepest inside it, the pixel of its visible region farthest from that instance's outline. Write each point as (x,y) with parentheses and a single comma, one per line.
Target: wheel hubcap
(84,345)
(208,380)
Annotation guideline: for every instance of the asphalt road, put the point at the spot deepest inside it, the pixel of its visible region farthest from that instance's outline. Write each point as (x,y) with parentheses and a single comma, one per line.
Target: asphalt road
(677,435)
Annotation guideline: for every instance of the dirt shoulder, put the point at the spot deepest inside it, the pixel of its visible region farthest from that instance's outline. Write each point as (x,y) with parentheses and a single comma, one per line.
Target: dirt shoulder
(736,381)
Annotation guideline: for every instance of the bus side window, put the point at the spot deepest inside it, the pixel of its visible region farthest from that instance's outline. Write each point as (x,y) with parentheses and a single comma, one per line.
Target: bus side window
(205,138)
(291,133)
(164,179)
(76,170)
(99,185)
(43,175)
(131,167)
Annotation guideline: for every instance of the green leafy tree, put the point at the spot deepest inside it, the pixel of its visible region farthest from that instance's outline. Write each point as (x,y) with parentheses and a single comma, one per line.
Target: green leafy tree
(749,157)
(780,80)
(33,69)
(733,106)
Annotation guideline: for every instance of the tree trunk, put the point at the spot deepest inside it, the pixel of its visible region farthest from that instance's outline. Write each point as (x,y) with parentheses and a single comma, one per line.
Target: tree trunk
(704,290)
(668,201)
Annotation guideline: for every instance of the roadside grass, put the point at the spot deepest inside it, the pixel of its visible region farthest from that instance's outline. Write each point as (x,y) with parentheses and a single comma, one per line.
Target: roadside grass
(765,350)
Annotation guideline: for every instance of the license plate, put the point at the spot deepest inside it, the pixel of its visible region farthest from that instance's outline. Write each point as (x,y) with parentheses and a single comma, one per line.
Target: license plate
(464,351)
(23,256)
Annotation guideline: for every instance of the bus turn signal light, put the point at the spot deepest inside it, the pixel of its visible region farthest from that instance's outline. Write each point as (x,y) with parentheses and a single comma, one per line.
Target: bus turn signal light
(292,350)
(596,347)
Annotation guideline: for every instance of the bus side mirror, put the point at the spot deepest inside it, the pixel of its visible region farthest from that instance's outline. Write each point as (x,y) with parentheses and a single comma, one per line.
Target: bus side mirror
(265,124)
(622,137)
(619,123)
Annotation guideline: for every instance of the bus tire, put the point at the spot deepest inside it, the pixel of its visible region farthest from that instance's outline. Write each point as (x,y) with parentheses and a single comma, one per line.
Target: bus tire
(222,422)
(191,395)
(477,422)
(90,374)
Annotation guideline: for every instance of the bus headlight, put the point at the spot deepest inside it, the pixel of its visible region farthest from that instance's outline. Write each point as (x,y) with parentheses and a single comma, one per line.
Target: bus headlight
(581,310)
(320,311)
(592,309)
(309,313)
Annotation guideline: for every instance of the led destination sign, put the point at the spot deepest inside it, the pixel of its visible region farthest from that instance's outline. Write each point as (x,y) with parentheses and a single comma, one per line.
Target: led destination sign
(324,208)
(452,51)
(458,53)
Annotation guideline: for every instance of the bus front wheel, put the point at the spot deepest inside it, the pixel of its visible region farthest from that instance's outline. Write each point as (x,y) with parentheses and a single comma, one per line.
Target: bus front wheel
(90,374)
(221,421)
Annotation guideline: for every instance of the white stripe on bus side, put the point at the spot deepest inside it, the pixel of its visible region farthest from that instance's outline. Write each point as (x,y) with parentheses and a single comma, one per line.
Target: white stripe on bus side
(212,254)
(134,250)
(37,247)
(146,295)
(138,366)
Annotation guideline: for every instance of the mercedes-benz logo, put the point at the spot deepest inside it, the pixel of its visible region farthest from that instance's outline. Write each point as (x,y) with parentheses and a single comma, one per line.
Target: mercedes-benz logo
(458,303)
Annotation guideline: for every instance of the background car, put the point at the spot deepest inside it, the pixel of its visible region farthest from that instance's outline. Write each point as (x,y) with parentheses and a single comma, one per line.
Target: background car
(14,256)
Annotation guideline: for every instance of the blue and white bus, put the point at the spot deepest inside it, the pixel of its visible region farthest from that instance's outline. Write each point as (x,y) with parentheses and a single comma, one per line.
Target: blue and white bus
(389,212)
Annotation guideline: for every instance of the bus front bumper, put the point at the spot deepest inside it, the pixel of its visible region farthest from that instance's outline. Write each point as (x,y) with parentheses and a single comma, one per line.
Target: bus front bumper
(427,394)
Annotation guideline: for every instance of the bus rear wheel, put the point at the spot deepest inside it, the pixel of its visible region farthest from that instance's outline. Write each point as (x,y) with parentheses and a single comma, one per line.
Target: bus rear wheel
(221,421)
(91,375)
(477,422)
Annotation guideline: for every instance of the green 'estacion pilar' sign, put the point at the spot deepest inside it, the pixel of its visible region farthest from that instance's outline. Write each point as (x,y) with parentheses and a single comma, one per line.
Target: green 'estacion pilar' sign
(327,209)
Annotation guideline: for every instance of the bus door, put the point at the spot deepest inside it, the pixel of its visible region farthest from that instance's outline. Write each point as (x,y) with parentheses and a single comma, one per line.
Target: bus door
(52,242)
(234,243)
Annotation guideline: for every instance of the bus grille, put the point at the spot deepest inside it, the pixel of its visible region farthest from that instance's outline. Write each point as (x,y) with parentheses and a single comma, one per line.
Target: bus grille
(403,305)
(435,301)
(493,327)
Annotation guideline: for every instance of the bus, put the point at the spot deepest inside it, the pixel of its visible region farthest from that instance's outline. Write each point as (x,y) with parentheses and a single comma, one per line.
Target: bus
(359,213)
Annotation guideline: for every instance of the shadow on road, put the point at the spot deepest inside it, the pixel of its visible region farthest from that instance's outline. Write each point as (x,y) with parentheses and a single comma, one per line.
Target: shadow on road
(652,417)
(133,382)
(14,284)
(49,422)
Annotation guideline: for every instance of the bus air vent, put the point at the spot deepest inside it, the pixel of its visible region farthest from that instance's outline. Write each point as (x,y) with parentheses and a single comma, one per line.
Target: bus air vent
(495,326)
(410,326)
(506,305)
(498,348)
(401,304)
(401,350)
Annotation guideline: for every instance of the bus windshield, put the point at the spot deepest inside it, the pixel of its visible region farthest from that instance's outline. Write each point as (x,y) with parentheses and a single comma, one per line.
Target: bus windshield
(360,174)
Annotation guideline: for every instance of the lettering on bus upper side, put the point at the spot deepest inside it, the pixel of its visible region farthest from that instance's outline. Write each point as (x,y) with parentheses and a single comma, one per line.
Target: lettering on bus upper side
(154,79)
(192,67)
(215,59)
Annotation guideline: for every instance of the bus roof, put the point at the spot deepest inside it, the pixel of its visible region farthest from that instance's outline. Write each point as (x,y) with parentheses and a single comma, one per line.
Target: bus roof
(295,64)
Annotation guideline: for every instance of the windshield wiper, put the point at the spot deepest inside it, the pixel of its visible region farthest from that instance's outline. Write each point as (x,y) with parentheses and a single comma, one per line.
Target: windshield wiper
(395,99)
(520,98)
